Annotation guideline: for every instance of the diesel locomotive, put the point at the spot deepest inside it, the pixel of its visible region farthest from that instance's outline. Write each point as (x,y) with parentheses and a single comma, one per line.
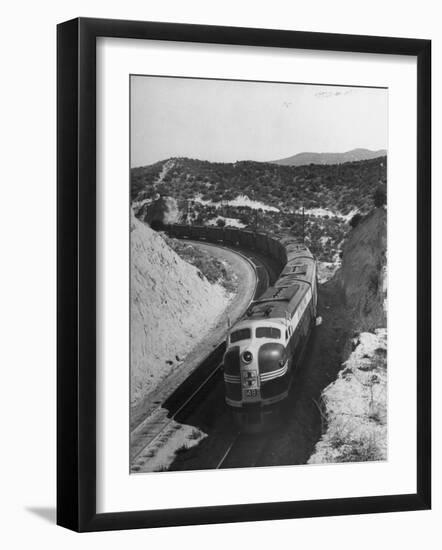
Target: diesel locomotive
(264,348)
(266,345)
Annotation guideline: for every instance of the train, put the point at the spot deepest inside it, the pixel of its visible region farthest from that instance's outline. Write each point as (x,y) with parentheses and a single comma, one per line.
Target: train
(267,344)
(264,348)
(251,240)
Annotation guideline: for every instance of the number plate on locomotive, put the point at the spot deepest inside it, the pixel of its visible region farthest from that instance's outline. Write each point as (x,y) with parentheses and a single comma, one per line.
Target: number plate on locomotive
(251,395)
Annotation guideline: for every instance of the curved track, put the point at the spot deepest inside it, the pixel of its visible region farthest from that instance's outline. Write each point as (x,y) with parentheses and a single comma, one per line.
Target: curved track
(205,380)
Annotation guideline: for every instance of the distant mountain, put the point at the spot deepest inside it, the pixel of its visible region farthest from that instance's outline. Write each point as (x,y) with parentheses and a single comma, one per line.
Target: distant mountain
(302,159)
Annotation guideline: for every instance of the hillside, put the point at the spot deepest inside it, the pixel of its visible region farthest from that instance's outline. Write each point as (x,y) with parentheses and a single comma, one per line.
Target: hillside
(173,306)
(363,272)
(330,158)
(264,196)
(355,404)
(339,188)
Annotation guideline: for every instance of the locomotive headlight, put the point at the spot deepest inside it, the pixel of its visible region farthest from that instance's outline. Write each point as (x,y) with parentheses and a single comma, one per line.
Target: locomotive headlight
(247,357)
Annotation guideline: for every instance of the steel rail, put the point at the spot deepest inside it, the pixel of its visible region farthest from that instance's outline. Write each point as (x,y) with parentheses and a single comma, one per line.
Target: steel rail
(256,452)
(226,454)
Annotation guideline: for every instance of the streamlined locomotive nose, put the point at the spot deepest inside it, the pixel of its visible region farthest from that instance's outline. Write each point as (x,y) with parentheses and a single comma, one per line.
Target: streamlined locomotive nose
(232,362)
(271,357)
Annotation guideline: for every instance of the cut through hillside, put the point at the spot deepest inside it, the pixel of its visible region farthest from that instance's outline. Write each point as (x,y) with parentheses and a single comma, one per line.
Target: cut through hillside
(173,307)
(363,272)
(355,404)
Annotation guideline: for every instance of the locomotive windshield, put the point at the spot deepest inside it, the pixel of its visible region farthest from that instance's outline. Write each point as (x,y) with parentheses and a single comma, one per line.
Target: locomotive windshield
(242,334)
(268,332)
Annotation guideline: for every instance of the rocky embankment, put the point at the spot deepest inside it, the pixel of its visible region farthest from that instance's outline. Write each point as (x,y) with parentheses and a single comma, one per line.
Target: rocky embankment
(173,306)
(354,406)
(363,272)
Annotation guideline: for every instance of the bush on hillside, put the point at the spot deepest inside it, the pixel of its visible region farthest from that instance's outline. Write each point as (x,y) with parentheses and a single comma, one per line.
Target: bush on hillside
(210,267)
(355,220)
(380,196)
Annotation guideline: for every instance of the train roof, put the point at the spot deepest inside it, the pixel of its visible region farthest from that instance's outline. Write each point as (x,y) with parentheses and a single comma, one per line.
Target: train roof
(294,246)
(299,269)
(284,297)
(278,301)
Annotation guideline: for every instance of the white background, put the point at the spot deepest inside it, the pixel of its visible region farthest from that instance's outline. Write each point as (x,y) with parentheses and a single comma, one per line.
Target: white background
(27,298)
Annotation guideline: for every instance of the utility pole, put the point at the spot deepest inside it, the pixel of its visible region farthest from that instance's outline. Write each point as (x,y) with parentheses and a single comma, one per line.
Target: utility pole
(303,225)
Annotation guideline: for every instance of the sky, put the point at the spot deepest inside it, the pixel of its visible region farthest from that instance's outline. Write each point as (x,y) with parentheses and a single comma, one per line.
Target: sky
(227,121)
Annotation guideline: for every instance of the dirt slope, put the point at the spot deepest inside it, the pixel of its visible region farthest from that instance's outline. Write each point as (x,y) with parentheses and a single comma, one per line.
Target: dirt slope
(173,306)
(355,404)
(363,272)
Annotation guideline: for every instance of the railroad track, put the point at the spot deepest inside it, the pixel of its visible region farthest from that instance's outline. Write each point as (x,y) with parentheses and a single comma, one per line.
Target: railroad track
(153,428)
(244,451)
(262,280)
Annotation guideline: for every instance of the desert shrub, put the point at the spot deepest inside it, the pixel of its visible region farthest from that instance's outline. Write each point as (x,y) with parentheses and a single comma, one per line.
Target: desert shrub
(195,434)
(380,196)
(360,450)
(354,222)
(213,269)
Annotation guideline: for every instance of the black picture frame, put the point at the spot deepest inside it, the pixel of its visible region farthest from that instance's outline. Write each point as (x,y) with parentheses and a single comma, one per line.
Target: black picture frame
(77,287)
